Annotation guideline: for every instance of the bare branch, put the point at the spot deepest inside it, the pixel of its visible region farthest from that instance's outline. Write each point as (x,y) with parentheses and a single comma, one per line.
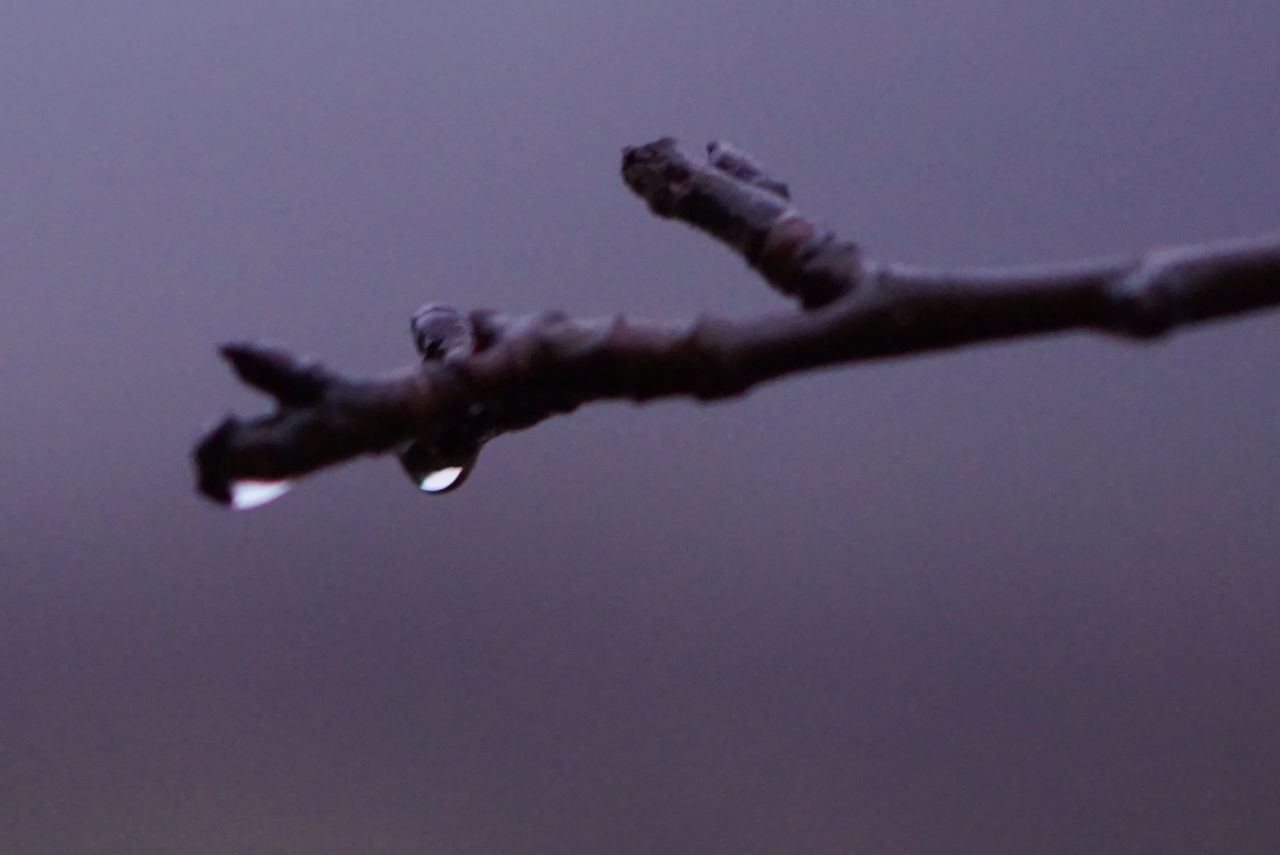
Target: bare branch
(483,374)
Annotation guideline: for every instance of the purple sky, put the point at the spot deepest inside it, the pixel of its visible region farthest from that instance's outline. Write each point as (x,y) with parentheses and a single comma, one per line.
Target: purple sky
(1020,599)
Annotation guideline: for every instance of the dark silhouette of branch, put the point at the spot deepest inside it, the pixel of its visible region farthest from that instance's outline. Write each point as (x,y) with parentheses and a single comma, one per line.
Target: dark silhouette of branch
(483,374)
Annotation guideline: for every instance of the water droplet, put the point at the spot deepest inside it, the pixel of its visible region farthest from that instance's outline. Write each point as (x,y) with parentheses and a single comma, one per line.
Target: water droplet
(434,470)
(441,479)
(249,494)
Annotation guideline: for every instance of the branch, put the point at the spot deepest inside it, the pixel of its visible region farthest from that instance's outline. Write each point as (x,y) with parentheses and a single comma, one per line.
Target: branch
(483,374)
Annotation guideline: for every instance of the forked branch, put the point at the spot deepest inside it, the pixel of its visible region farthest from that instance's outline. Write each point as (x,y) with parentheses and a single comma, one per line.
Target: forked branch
(482,374)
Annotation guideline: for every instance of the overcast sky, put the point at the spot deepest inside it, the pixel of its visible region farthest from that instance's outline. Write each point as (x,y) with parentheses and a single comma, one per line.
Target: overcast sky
(1018,599)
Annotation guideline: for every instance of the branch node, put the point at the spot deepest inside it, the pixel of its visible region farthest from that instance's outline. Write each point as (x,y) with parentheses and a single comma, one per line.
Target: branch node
(1145,302)
(714,372)
(488,327)
(441,333)
(805,260)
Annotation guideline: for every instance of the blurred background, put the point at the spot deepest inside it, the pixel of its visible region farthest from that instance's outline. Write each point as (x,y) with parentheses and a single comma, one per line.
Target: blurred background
(1016,599)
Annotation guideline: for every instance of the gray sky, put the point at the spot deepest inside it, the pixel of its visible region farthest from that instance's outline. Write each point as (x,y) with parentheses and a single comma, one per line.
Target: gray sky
(1019,599)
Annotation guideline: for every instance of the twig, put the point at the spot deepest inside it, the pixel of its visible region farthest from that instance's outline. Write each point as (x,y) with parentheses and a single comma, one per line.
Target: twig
(483,374)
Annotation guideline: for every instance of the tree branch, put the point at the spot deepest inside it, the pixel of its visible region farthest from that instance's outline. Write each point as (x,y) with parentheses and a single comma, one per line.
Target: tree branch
(483,374)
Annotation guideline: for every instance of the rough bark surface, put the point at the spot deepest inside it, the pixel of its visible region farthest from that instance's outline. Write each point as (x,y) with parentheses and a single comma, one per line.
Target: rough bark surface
(482,374)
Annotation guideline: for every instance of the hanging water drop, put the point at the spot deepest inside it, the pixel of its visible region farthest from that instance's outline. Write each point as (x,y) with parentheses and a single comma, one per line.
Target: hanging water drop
(249,494)
(438,470)
(441,479)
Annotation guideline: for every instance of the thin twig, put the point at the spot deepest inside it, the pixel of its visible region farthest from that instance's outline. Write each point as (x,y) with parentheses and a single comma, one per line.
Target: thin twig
(483,374)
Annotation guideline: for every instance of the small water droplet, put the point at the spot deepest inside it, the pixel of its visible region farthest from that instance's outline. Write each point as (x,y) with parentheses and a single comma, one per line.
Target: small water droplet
(249,494)
(433,470)
(441,479)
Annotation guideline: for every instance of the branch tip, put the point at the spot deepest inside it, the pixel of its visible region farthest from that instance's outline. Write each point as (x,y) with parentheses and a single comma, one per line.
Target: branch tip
(656,172)
(210,457)
(272,369)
